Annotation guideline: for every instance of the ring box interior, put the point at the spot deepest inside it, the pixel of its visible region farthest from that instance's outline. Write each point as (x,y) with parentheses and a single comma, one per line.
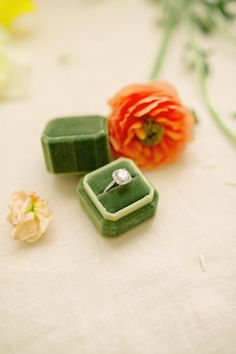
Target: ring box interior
(123,206)
(75,144)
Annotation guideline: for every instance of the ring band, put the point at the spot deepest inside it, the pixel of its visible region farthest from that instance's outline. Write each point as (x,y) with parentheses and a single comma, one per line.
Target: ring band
(120,177)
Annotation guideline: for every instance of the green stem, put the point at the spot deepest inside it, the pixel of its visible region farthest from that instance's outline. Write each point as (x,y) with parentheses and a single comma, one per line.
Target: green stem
(202,78)
(211,109)
(162,48)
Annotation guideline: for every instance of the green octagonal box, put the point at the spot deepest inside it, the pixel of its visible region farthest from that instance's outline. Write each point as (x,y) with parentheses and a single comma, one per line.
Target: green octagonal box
(75,144)
(122,207)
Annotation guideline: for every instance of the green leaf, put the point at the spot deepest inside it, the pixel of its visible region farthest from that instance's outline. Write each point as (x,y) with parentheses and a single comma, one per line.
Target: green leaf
(205,25)
(195,116)
(197,57)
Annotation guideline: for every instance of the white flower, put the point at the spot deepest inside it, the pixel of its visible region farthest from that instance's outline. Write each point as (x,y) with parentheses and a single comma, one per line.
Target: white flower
(29,215)
(14,69)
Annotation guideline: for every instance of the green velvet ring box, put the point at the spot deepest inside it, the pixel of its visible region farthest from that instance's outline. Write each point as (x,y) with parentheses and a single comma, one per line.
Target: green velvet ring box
(123,206)
(75,144)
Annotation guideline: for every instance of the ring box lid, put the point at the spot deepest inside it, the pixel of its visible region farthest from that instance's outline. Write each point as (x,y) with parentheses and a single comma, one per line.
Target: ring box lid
(84,126)
(77,144)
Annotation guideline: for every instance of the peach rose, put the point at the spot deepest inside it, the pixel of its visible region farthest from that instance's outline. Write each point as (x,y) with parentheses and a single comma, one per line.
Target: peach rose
(149,124)
(29,215)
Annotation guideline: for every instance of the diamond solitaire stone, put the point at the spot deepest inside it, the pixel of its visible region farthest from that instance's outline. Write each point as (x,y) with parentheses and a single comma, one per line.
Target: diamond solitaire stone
(121,176)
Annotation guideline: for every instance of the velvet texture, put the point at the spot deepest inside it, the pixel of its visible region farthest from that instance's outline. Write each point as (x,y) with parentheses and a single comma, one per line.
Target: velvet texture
(75,144)
(116,199)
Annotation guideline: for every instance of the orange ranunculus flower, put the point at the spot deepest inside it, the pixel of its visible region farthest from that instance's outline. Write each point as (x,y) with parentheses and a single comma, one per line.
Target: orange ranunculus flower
(149,124)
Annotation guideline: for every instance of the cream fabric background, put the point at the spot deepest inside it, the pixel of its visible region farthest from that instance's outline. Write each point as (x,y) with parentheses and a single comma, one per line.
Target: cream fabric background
(75,292)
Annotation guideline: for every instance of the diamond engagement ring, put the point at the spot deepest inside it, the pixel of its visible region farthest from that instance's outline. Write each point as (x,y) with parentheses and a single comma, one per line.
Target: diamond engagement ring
(120,177)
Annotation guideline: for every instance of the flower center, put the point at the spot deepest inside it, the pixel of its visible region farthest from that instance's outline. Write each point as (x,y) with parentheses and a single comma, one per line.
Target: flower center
(31,208)
(151,133)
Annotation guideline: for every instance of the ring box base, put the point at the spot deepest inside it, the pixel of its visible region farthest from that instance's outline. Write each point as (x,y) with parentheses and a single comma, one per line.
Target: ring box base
(129,196)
